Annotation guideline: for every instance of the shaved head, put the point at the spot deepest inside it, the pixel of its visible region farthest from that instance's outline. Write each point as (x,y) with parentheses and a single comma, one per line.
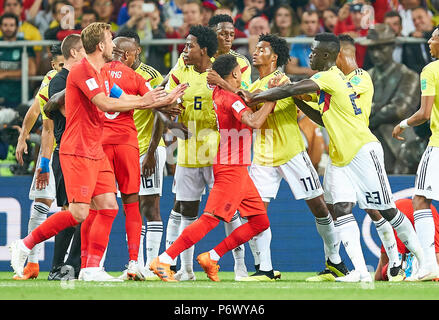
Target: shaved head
(125,44)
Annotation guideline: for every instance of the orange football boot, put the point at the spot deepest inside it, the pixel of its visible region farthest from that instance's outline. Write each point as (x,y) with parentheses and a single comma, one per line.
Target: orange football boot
(30,271)
(209,266)
(162,270)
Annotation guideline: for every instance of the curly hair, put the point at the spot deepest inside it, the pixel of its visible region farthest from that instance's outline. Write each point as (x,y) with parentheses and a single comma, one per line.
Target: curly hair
(279,46)
(206,38)
(219,18)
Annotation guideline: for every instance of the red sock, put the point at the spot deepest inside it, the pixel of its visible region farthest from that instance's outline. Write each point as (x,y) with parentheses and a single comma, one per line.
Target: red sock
(192,234)
(99,235)
(242,234)
(133,227)
(49,228)
(85,231)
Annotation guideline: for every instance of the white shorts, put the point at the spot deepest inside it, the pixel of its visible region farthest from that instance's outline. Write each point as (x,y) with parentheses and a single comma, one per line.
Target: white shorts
(190,183)
(154,183)
(363,180)
(427,176)
(48,192)
(298,172)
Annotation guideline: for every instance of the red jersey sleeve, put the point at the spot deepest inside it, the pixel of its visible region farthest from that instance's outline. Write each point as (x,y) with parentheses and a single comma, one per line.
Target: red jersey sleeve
(87,81)
(238,107)
(143,86)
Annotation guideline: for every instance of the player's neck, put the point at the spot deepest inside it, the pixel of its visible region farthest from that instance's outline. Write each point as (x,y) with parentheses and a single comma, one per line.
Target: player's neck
(96,60)
(350,65)
(203,66)
(136,64)
(265,70)
(218,53)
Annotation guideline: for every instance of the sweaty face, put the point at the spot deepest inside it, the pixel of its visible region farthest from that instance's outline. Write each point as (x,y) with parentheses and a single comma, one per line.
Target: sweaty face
(317,57)
(225,32)
(263,55)
(58,63)
(108,46)
(192,50)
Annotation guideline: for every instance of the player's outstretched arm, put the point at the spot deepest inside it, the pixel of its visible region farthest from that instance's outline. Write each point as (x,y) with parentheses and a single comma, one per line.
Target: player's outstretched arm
(47,138)
(312,113)
(282,92)
(55,103)
(29,120)
(418,118)
(256,119)
(169,99)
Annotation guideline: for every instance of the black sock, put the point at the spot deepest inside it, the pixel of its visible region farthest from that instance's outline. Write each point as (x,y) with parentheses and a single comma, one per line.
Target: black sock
(62,242)
(74,258)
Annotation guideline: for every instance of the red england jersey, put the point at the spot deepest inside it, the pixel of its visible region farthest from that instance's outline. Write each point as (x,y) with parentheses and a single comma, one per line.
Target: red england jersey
(119,127)
(84,121)
(235,137)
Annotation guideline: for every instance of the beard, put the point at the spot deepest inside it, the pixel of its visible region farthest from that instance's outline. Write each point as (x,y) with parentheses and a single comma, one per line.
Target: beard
(108,57)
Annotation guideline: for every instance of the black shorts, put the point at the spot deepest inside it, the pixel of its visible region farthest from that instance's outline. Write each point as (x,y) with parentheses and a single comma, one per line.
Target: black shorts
(61,195)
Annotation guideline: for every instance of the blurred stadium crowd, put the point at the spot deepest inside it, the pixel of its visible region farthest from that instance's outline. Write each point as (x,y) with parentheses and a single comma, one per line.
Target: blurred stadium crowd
(37,20)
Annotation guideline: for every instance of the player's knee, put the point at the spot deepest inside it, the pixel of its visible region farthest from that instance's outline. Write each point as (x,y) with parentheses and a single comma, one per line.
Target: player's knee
(259,223)
(420,202)
(389,214)
(342,209)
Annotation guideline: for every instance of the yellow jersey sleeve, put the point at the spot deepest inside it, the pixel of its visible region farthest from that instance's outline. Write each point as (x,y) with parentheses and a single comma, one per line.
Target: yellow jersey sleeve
(43,92)
(144,119)
(430,87)
(279,140)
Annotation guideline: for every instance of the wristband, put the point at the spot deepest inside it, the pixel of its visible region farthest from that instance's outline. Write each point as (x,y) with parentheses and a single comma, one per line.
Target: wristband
(44,165)
(403,124)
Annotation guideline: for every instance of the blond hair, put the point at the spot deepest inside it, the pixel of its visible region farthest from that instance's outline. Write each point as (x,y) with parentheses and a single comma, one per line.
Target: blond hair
(93,34)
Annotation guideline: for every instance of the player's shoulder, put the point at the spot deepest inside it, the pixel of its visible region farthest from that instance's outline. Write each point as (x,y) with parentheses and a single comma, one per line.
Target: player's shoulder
(147,71)
(181,73)
(431,67)
(240,57)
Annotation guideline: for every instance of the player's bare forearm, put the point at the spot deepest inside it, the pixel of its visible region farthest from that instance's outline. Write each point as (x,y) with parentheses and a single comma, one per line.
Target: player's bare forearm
(29,119)
(47,138)
(55,103)
(257,119)
(313,114)
(424,112)
(285,91)
(157,132)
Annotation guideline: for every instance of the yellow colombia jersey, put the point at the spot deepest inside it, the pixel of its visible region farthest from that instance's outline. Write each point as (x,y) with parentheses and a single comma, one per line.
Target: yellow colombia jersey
(198,115)
(430,87)
(279,139)
(43,92)
(363,86)
(242,61)
(342,115)
(144,119)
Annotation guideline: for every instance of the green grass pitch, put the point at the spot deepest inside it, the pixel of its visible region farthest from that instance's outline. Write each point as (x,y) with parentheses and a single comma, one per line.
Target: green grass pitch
(292,286)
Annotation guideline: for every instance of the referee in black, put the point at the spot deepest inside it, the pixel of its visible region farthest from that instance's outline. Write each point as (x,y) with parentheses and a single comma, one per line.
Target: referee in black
(73,51)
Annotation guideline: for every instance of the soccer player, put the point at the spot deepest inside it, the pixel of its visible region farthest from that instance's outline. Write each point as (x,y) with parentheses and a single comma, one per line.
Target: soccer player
(426,184)
(196,155)
(152,151)
(356,168)
(346,226)
(43,197)
(279,153)
(53,128)
(406,207)
(87,172)
(122,148)
(233,189)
